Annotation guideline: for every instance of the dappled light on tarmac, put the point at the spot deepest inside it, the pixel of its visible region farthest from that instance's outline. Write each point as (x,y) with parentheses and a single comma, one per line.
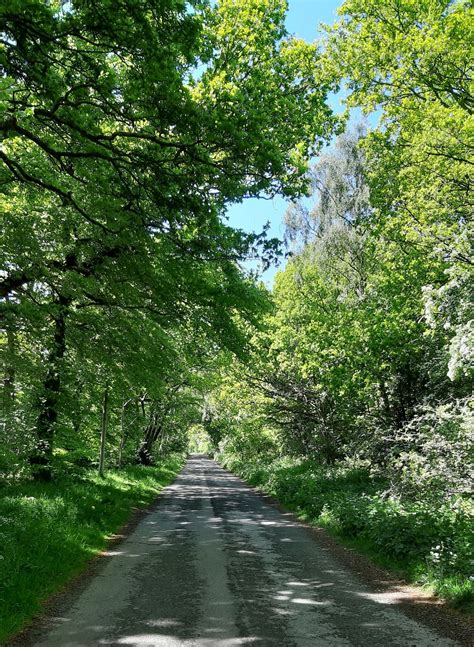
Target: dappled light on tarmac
(215,565)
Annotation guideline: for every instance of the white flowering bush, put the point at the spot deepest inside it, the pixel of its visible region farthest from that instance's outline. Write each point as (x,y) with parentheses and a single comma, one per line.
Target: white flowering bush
(433,455)
(451,308)
(461,352)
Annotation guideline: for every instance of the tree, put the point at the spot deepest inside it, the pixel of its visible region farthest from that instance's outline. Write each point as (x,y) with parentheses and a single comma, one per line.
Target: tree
(413,62)
(339,189)
(124,137)
(346,356)
(371,333)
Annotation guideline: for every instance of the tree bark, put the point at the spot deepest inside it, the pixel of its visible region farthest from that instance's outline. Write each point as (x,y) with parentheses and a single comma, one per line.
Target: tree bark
(123,434)
(41,456)
(152,433)
(103,431)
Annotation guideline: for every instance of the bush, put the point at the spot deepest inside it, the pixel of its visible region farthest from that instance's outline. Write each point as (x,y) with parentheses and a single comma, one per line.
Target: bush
(432,453)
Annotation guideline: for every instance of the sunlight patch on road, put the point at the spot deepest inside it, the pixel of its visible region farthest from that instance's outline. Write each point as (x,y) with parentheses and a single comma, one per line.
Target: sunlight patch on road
(157,640)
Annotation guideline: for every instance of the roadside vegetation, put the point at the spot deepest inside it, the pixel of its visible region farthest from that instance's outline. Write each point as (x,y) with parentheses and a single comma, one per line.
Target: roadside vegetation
(426,540)
(48,531)
(355,403)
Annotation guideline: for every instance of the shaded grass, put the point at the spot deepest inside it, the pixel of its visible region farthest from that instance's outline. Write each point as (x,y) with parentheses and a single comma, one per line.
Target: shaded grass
(428,541)
(48,531)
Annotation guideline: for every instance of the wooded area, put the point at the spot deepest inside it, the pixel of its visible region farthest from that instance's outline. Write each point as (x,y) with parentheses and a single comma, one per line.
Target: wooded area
(127,130)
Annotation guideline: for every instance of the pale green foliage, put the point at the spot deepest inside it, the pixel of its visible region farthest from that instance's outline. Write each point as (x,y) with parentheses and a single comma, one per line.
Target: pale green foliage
(413,61)
(265,92)
(199,441)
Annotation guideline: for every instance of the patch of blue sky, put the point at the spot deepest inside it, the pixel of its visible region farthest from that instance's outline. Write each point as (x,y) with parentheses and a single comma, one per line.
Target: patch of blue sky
(304,20)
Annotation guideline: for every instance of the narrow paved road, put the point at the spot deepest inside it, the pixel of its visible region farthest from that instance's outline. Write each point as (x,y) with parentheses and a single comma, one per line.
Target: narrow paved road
(215,565)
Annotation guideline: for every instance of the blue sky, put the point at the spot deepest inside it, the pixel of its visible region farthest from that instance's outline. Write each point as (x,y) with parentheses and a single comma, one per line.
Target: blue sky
(303,20)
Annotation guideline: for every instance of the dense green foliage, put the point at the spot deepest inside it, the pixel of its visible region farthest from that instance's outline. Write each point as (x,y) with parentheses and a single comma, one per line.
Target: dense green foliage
(49,530)
(125,133)
(366,359)
(127,317)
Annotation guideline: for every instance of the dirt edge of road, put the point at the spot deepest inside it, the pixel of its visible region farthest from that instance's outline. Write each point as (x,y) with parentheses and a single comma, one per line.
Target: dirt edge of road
(414,601)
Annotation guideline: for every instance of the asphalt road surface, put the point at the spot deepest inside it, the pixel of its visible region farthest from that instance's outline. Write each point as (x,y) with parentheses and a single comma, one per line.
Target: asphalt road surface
(215,565)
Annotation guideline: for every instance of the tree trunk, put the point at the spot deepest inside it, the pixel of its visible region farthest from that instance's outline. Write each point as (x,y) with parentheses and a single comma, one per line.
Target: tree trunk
(40,458)
(103,431)
(9,374)
(122,435)
(155,428)
(123,424)
(151,435)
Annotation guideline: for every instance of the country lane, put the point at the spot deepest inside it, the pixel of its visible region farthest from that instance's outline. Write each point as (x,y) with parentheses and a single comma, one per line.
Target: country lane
(214,564)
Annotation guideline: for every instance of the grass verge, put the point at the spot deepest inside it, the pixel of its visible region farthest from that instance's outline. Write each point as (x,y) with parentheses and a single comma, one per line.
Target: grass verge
(49,531)
(427,541)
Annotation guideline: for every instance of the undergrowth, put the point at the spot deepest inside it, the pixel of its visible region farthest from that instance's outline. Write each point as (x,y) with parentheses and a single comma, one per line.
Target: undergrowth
(427,540)
(48,531)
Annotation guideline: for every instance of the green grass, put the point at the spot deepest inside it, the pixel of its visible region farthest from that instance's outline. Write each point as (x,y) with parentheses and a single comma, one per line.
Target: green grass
(428,541)
(49,531)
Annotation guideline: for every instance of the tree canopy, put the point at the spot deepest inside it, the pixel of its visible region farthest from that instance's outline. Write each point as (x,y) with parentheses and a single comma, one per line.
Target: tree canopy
(125,132)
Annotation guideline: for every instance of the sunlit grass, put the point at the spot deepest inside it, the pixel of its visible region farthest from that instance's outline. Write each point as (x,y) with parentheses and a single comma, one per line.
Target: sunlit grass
(49,531)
